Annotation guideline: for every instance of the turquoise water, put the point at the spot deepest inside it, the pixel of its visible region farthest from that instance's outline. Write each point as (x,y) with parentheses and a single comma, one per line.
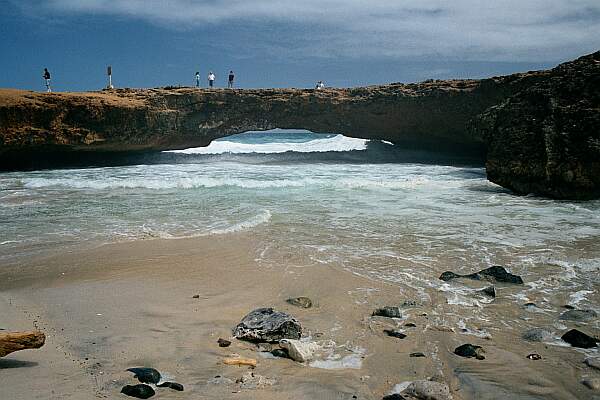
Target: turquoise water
(364,205)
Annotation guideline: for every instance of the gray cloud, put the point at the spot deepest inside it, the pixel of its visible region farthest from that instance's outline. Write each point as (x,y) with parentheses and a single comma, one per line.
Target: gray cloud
(502,30)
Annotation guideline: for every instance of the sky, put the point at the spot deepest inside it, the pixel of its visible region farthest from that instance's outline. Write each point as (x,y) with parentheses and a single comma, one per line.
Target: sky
(286,43)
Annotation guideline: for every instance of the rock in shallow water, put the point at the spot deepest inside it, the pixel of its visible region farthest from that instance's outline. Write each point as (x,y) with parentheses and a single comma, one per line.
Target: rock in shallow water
(302,301)
(536,335)
(388,312)
(491,274)
(267,325)
(139,391)
(470,351)
(579,339)
(145,375)
(489,291)
(578,315)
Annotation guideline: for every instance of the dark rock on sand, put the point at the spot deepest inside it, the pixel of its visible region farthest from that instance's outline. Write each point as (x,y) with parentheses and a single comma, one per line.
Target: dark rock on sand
(281,353)
(145,375)
(267,325)
(303,302)
(579,339)
(489,291)
(470,351)
(569,307)
(534,356)
(223,342)
(417,354)
(388,312)
(593,362)
(172,385)
(578,315)
(196,296)
(139,391)
(410,325)
(395,333)
(410,303)
(491,274)
(536,335)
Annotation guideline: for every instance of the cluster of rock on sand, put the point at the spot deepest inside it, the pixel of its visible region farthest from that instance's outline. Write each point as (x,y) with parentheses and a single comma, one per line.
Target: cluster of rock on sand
(280,334)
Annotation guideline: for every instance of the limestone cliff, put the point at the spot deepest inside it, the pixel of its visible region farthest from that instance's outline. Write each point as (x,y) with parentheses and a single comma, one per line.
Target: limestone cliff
(546,138)
(540,129)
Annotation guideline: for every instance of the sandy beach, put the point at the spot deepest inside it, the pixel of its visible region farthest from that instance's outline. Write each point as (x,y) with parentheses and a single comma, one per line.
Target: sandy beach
(132,304)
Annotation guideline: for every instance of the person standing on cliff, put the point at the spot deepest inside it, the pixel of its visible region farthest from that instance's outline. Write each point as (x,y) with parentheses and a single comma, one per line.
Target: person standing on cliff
(46,77)
(211,79)
(230,81)
(197,79)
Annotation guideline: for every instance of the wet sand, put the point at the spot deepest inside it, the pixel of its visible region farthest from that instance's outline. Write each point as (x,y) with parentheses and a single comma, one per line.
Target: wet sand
(126,305)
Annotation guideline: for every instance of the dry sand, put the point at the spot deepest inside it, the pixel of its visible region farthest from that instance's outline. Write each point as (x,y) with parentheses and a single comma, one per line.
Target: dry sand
(127,305)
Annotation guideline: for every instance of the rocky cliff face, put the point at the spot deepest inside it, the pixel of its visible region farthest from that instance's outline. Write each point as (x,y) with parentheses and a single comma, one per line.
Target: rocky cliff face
(540,129)
(545,139)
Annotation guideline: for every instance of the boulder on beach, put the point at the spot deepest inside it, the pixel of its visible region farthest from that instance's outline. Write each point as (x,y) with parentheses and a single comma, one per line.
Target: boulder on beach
(267,325)
(578,315)
(145,374)
(388,312)
(223,342)
(299,351)
(491,274)
(579,339)
(489,291)
(470,351)
(139,391)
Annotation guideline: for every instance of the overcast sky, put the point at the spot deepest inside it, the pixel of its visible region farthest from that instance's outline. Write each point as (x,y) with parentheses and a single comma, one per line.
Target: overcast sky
(287,42)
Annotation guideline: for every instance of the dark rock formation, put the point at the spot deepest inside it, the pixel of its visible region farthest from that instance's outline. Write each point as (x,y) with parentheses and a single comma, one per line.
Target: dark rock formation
(223,342)
(540,130)
(388,312)
(145,375)
(267,325)
(546,138)
(395,396)
(172,385)
(303,302)
(491,274)
(579,339)
(578,315)
(417,354)
(139,391)
(470,351)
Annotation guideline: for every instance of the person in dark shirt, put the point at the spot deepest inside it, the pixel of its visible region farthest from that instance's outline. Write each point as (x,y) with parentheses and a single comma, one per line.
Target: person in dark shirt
(230,81)
(46,77)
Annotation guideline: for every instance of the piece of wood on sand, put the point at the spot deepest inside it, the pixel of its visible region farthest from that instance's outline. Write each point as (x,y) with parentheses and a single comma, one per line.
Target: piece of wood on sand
(15,341)
(240,361)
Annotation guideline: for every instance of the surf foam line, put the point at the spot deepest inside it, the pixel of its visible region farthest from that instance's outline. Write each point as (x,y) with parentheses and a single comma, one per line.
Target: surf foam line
(338,143)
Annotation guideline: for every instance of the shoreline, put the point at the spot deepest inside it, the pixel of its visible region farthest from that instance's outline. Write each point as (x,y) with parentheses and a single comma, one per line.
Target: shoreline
(131,304)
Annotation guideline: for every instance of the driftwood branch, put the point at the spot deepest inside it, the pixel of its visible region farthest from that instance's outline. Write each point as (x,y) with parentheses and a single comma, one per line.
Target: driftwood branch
(15,341)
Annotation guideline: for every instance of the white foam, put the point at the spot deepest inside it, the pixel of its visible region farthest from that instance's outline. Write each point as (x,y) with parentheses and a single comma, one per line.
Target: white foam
(335,143)
(262,218)
(352,361)
(579,296)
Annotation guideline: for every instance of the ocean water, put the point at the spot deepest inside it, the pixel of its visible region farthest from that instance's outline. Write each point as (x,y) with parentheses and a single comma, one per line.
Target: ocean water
(315,200)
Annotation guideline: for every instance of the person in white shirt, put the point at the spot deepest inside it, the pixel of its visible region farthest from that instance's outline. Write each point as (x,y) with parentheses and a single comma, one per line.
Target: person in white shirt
(197,79)
(211,79)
